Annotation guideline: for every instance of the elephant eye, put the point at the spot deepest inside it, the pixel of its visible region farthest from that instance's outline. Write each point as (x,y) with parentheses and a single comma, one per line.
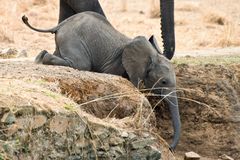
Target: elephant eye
(164,81)
(148,71)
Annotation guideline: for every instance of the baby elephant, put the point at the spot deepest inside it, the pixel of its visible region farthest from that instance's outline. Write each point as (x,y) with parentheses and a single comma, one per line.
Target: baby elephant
(87,41)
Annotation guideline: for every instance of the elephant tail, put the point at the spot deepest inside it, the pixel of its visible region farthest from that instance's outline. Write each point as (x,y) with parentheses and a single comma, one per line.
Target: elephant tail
(52,30)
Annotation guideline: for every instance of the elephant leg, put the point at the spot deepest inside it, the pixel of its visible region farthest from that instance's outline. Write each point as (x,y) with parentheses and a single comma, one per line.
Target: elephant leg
(86,5)
(45,58)
(65,11)
(40,56)
(75,55)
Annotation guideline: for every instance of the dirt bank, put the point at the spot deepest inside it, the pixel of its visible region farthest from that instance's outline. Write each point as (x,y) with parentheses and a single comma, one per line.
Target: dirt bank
(43,115)
(208,99)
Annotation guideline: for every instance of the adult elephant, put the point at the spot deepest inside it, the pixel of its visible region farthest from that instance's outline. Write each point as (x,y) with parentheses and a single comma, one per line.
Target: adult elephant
(71,7)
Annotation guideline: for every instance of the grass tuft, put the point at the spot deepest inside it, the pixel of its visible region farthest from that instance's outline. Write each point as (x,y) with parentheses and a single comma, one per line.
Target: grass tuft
(215,17)
(202,60)
(153,10)
(6,35)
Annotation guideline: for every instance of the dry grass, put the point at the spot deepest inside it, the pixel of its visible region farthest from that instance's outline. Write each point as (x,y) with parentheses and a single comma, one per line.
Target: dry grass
(13,33)
(39,2)
(215,17)
(229,36)
(153,9)
(187,7)
(6,35)
(199,24)
(123,5)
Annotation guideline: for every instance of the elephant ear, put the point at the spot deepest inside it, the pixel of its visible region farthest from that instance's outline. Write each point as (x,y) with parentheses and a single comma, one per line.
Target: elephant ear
(136,58)
(154,43)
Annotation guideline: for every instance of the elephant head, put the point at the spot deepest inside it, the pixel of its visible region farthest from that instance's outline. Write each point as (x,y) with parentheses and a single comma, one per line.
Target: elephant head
(167,26)
(143,61)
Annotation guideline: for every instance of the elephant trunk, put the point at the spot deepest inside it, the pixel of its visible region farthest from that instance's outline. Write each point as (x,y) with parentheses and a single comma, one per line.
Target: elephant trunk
(167,27)
(172,102)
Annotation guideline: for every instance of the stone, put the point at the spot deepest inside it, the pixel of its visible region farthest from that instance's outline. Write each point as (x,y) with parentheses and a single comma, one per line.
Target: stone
(192,156)
(102,134)
(8,118)
(226,157)
(59,124)
(154,154)
(75,157)
(117,151)
(142,143)
(132,136)
(124,135)
(146,135)
(139,154)
(12,129)
(22,54)
(114,141)
(38,121)
(102,154)
(8,53)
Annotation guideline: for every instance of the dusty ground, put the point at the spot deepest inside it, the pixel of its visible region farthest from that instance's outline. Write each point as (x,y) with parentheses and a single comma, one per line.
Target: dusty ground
(210,109)
(200,24)
(210,114)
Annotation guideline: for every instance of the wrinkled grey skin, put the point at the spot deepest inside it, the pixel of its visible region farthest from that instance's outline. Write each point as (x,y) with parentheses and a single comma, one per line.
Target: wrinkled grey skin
(87,41)
(167,27)
(71,7)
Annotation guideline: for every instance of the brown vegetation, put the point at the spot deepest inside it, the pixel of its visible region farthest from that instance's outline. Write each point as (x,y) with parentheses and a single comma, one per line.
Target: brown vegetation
(197,22)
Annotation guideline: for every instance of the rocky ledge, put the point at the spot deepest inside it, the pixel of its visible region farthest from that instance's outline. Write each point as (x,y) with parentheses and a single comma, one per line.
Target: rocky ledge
(49,112)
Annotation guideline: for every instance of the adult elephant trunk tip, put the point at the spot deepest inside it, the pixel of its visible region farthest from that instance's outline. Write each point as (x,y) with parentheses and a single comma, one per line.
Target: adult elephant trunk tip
(167,27)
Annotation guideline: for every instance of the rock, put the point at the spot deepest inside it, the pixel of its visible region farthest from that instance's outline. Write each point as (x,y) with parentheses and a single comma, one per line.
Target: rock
(102,134)
(132,136)
(191,156)
(124,135)
(114,141)
(146,135)
(12,129)
(59,124)
(142,143)
(140,154)
(8,53)
(154,154)
(8,118)
(226,157)
(117,151)
(38,121)
(22,54)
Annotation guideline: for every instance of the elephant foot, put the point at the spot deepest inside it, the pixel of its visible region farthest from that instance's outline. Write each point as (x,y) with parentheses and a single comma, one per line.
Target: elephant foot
(39,58)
